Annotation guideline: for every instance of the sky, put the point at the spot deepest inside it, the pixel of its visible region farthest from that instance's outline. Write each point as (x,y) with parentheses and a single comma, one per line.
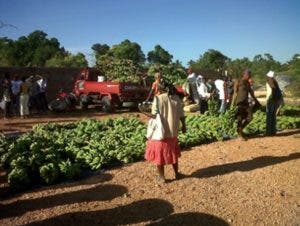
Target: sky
(185,28)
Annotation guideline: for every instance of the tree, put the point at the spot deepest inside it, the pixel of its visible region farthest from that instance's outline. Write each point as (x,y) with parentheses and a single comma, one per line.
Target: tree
(100,49)
(67,60)
(211,59)
(262,64)
(33,50)
(237,66)
(159,55)
(127,50)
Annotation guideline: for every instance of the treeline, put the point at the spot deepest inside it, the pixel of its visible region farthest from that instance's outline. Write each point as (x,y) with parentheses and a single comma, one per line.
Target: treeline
(126,60)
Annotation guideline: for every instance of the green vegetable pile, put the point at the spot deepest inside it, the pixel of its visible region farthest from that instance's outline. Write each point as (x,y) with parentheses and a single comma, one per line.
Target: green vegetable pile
(208,127)
(288,118)
(56,152)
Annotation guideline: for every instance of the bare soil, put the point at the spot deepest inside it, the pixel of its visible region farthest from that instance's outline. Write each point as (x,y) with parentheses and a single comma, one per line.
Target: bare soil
(254,182)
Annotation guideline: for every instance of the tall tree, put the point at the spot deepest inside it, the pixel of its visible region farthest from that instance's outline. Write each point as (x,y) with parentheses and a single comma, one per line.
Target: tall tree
(128,50)
(33,50)
(68,60)
(100,49)
(159,55)
(212,59)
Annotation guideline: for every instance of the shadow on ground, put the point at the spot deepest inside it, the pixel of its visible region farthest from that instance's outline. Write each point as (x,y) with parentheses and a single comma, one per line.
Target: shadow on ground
(156,210)
(96,193)
(247,165)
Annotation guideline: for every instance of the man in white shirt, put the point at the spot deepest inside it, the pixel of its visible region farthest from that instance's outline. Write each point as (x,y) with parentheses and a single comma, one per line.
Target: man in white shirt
(222,89)
(15,88)
(204,96)
(42,95)
(192,81)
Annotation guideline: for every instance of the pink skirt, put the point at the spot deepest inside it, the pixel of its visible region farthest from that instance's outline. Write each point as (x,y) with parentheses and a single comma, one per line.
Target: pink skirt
(163,152)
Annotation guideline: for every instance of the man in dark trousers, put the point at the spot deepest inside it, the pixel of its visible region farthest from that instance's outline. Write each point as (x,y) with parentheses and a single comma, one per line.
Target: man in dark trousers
(242,89)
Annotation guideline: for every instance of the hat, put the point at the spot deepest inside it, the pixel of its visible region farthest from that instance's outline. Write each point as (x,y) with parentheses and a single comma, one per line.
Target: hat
(270,74)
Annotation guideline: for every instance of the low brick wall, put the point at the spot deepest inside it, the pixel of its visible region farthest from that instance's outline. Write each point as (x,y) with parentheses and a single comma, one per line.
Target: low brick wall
(58,78)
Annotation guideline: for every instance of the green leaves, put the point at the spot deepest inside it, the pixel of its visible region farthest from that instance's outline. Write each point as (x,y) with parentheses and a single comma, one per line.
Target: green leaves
(55,152)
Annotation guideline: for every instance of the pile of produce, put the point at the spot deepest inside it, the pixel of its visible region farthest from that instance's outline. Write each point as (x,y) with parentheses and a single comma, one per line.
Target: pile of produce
(56,152)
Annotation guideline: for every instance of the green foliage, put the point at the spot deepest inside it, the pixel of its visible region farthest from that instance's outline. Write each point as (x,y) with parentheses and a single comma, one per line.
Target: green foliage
(127,50)
(100,49)
(159,56)
(173,72)
(207,128)
(67,60)
(211,59)
(121,70)
(237,66)
(19,179)
(54,152)
(33,50)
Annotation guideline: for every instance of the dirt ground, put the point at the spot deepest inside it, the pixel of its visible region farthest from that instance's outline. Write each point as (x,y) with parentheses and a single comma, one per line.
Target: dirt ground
(254,182)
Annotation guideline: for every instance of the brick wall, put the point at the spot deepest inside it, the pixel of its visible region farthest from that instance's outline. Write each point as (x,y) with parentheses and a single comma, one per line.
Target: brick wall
(58,78)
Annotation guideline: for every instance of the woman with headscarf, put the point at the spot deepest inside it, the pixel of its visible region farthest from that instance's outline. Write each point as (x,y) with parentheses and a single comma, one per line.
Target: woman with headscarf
(166,151)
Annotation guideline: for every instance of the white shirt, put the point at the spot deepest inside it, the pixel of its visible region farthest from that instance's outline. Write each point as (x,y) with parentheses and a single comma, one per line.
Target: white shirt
(192,77)
(43,84)
(220,86)
(203,91)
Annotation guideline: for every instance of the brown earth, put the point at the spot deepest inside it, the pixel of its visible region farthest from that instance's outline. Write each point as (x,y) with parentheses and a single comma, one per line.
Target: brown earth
(254,182)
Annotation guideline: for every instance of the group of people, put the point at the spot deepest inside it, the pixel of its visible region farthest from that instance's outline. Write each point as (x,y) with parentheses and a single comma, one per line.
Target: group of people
(21,97)
(201,90)
(169,104)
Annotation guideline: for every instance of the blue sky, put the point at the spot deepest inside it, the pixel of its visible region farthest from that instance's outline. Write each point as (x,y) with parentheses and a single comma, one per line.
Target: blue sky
(186,28)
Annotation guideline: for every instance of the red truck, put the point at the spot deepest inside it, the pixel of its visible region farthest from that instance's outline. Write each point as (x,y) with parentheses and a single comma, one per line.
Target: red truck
(110,95)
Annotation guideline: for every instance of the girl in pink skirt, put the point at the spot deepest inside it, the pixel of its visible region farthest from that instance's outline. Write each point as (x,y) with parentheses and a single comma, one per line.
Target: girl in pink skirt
(166,151)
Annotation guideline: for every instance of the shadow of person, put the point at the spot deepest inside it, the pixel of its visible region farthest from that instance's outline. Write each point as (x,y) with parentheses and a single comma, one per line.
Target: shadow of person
(88,178)
(189,219)
(248,165)
(136,212)
(96,193)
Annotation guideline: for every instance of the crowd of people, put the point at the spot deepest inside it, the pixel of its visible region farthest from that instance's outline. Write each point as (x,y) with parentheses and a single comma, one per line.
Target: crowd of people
(169,104)
(23,96)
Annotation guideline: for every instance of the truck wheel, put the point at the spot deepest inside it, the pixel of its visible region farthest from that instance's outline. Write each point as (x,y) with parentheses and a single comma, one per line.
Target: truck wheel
(83,102)
(107,105)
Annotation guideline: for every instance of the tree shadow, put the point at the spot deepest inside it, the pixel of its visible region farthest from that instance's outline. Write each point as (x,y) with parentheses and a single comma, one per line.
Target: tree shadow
(190,218)
(133,213)
(89,178)
(247,165)
(96,193)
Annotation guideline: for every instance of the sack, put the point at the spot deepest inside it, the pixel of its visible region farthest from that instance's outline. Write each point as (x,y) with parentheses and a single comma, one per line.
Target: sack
(155,129)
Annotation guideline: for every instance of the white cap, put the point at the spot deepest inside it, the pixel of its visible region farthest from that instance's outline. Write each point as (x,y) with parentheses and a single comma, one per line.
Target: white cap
(270,74)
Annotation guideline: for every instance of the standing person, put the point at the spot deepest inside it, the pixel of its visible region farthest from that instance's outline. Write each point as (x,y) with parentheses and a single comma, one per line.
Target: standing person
(242,89)
(222,92)
(166,151)
(7,95)
(192,81)
(15,88)
(34,102)
(273,98)
(204,95)
(229,89)
(42,82)
(154,88)
(24,98)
